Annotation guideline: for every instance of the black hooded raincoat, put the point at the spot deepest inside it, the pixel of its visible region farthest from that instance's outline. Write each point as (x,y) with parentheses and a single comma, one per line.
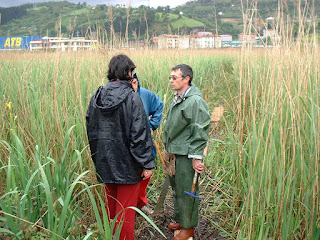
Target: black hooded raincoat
(118,133)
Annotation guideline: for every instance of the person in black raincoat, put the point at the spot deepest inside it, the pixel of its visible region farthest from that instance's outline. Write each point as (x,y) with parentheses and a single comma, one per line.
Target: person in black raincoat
(120,142)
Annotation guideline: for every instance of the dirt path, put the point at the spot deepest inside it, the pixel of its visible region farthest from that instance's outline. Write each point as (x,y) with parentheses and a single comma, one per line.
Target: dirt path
(144,231)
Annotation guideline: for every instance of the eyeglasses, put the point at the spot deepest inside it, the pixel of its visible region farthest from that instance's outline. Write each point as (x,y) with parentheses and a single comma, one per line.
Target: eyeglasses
(174,77)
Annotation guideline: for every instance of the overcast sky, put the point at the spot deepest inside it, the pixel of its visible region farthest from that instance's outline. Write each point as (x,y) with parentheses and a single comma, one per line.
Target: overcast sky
(134,3)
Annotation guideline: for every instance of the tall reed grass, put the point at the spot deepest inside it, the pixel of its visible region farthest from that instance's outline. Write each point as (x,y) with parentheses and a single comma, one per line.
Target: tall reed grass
(275,146)
(262,178)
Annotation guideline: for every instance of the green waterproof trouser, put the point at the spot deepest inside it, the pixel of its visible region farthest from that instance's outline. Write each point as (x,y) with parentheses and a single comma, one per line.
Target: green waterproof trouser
(185,208)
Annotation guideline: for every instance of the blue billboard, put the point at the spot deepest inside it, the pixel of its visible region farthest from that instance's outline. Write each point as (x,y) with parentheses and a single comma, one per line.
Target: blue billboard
(17,42)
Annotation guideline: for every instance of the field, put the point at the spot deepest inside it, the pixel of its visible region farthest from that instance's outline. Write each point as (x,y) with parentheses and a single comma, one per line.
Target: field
(262,169)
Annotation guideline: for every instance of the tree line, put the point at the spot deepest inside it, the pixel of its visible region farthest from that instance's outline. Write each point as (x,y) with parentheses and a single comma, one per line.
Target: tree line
(11,13)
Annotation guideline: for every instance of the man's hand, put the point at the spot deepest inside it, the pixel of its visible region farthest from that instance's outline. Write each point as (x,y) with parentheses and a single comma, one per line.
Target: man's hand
(198,165)
(146,174)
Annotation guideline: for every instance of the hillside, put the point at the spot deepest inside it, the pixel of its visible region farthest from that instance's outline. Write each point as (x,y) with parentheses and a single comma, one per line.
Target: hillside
(68,19)
(226,16)
(51,18)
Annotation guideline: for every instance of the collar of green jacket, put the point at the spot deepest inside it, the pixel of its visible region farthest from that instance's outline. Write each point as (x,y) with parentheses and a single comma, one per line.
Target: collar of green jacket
(193,90)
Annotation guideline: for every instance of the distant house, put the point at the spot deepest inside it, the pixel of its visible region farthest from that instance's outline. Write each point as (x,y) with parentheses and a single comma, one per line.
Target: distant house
(271,22)
(247,37)
(204,33)
(197,41)
(155,40)
(168,41)
(226,38)
(206,41)
(120,6)
(272,33)
(270,19)
(184,42)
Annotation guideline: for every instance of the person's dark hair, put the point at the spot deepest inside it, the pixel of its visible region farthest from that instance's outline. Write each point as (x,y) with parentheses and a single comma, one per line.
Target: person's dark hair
(119,67)
(185,69)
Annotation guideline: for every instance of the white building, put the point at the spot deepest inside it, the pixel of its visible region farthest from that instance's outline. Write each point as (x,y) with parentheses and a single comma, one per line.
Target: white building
(226,38)
(199,41)
(168,41)
(204,33)
(272,33)
(63,44)
(205,40)
(120,6)
(184,42)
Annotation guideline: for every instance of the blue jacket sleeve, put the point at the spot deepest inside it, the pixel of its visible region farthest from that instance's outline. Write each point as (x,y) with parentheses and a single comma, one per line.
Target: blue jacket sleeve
(155,112)
(153,106)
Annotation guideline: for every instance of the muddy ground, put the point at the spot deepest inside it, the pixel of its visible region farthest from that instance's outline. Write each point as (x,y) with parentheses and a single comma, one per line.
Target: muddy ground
(144,231)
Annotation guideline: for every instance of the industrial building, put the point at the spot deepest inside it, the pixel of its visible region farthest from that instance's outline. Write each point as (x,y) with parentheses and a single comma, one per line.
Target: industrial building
(17,42)
(37,43)
(63,44)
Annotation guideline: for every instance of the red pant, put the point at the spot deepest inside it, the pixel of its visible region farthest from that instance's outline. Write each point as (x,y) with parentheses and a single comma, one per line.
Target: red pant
(119,197)
(142,199)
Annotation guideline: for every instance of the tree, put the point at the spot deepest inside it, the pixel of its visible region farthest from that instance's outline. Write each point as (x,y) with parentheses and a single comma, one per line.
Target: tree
(8,14)
(127,26)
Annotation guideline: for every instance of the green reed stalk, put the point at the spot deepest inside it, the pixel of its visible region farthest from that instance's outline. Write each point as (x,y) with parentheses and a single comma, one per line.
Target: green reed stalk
(40,193)
(277,154)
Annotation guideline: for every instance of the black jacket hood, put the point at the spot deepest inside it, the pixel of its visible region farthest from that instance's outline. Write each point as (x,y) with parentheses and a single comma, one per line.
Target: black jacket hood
(112,95)
(119,137)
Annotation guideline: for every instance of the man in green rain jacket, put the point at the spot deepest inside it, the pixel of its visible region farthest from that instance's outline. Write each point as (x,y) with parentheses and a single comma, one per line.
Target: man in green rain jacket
(185,136)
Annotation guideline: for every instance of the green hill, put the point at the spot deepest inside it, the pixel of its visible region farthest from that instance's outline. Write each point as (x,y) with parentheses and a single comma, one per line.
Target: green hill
(226,16)
(53,18)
